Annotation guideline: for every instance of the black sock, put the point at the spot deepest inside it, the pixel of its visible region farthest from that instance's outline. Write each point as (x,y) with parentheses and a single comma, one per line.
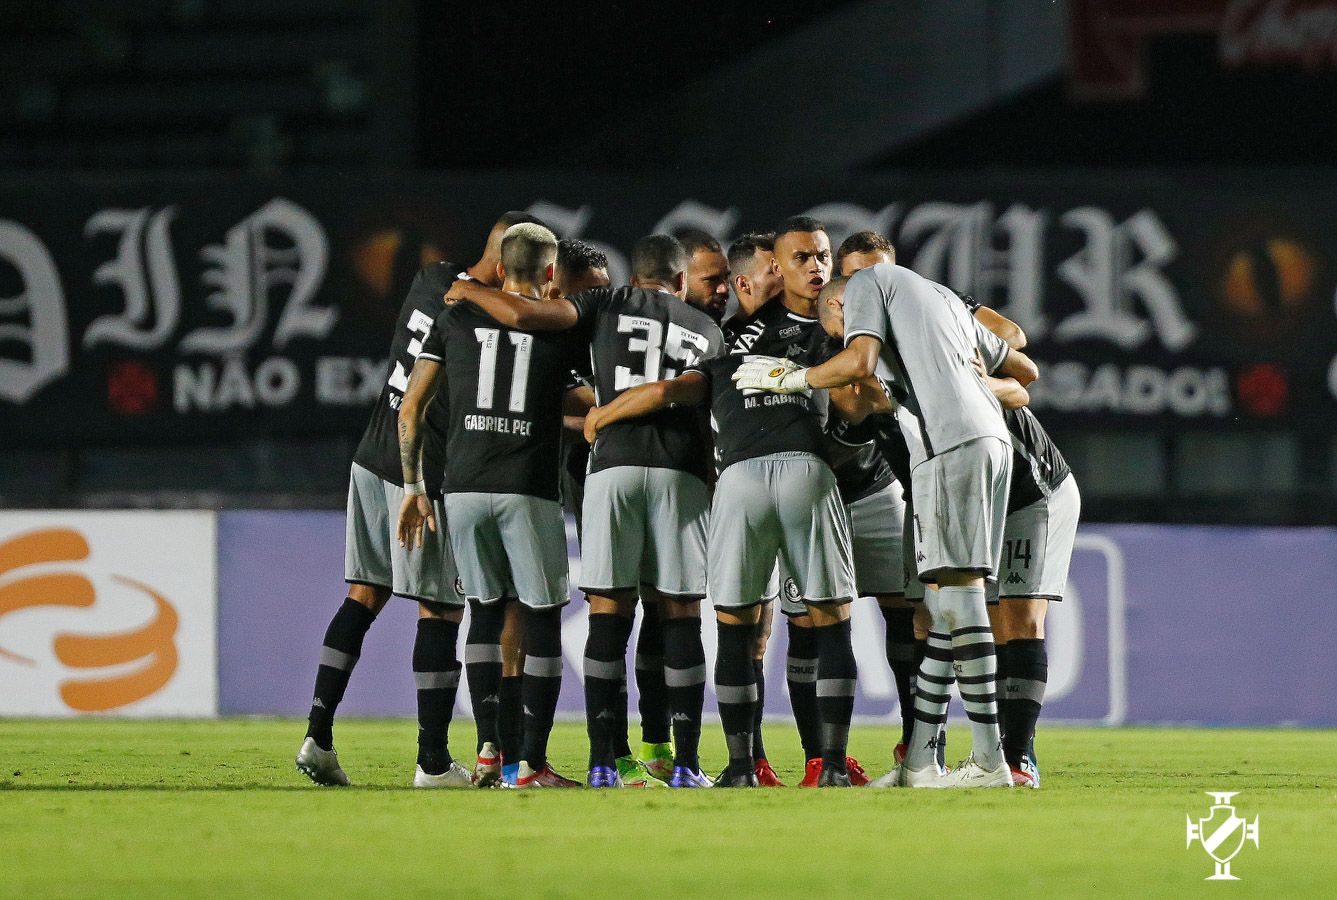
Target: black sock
(736,689)
(654,706)
(836,675)
(605,674)
(511,718)
(437,673)
(542,681)
(343,646)
(622,728)
(482,666)
(901,659)
(685,677)
(1025,690)
(801,675)
(758,745)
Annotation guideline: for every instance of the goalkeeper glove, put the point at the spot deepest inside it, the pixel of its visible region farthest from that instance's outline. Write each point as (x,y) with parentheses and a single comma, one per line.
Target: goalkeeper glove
(766,373)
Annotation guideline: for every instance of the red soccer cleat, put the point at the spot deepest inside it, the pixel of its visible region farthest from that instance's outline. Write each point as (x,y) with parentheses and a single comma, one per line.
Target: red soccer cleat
(898,755)
(766,776)
(858,777)
(543,778)
(812,773)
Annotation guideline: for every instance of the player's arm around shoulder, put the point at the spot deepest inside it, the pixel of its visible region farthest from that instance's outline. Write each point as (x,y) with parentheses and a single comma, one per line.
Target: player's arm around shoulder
(687,389)
(514,311)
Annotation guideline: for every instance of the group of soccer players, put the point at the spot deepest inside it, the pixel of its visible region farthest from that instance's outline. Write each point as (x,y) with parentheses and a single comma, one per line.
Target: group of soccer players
(858,435)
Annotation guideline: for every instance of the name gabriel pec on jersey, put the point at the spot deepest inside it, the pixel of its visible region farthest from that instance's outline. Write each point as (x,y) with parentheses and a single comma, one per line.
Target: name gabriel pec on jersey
(499,424)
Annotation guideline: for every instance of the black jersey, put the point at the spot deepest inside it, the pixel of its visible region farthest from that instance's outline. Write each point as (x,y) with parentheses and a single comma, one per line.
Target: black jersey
(1037,466)
(774,330)
(378,451)
(505,392)
(748,424)
(866,472)
(638,335)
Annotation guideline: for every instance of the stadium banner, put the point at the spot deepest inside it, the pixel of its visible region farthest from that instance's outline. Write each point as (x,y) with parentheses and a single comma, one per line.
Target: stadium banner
(108,612)
(203,307)
(1137,639)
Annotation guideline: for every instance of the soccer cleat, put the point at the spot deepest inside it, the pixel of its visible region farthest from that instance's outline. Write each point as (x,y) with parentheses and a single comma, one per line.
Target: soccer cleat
(321,766)
(456,776)
(971,775)
(634,774)
(930,776)
(487,771)
(811,772)
(898,755)
(889,780)
(1022,779)
(525,777)
(684,777)
(835,778)
(766,776)
(858,777)
(1028,770)
(726,780)
(604,777)
(658,760)
(1029,763)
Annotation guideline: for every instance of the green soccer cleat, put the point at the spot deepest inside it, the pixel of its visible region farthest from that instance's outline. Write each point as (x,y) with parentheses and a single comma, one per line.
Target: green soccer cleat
(635,773)
(658,760)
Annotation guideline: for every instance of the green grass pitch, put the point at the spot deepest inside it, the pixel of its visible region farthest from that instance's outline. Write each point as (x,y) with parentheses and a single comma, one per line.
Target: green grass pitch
(173,809)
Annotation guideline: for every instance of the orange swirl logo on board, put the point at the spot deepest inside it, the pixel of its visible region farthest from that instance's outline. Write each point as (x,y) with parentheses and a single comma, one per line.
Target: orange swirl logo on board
(29,581)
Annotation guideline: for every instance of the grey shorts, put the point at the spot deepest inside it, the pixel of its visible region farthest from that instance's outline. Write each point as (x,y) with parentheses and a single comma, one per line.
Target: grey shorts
(783,586)
(645,525)
(511,545)
(960,501)
(1037,546)
(783,505)
(877,523)
(372,554)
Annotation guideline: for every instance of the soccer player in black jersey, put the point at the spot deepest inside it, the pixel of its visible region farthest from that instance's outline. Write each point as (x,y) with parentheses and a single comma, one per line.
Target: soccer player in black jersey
(505,394)
(754,276)
(376,567)
(707,284)
(787,327)
(579,268)
(776,498)
(647,499)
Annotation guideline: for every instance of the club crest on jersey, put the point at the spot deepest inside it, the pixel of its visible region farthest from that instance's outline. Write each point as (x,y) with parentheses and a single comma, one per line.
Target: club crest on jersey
(791,589)
(1222,833)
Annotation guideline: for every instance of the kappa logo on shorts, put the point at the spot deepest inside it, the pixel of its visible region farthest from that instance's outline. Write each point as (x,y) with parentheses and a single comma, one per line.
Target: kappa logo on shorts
(1014,578)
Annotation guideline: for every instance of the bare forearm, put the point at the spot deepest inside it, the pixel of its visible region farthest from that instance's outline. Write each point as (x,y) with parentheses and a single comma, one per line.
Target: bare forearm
(515,311)
(1009,392)
(418,394)
(1010,332)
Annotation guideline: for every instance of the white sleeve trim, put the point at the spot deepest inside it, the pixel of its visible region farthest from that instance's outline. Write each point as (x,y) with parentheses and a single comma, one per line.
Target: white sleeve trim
(851,335)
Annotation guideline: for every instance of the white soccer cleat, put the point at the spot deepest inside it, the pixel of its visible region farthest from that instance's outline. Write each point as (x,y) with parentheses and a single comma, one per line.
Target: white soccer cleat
(487,771)
(454,777)
(321,766)
(889,780)
(971,774)
(931,776)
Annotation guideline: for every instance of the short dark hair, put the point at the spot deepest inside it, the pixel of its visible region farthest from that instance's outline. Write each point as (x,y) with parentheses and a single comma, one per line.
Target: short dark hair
(865,242)
(658,257)
(517,217)
(575,257)
(798,223)
(831,288)
(694,239)
(746,246)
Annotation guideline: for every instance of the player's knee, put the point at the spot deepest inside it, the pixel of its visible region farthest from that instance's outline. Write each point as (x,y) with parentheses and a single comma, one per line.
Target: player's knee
(823,614)
(428,609)
(679,609)
(373,597)
(1024,618)
(748,615)
(616,603)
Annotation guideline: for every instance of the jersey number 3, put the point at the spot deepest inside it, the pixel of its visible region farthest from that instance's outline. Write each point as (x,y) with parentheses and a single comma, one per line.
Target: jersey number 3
(679,346)
(487,367)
